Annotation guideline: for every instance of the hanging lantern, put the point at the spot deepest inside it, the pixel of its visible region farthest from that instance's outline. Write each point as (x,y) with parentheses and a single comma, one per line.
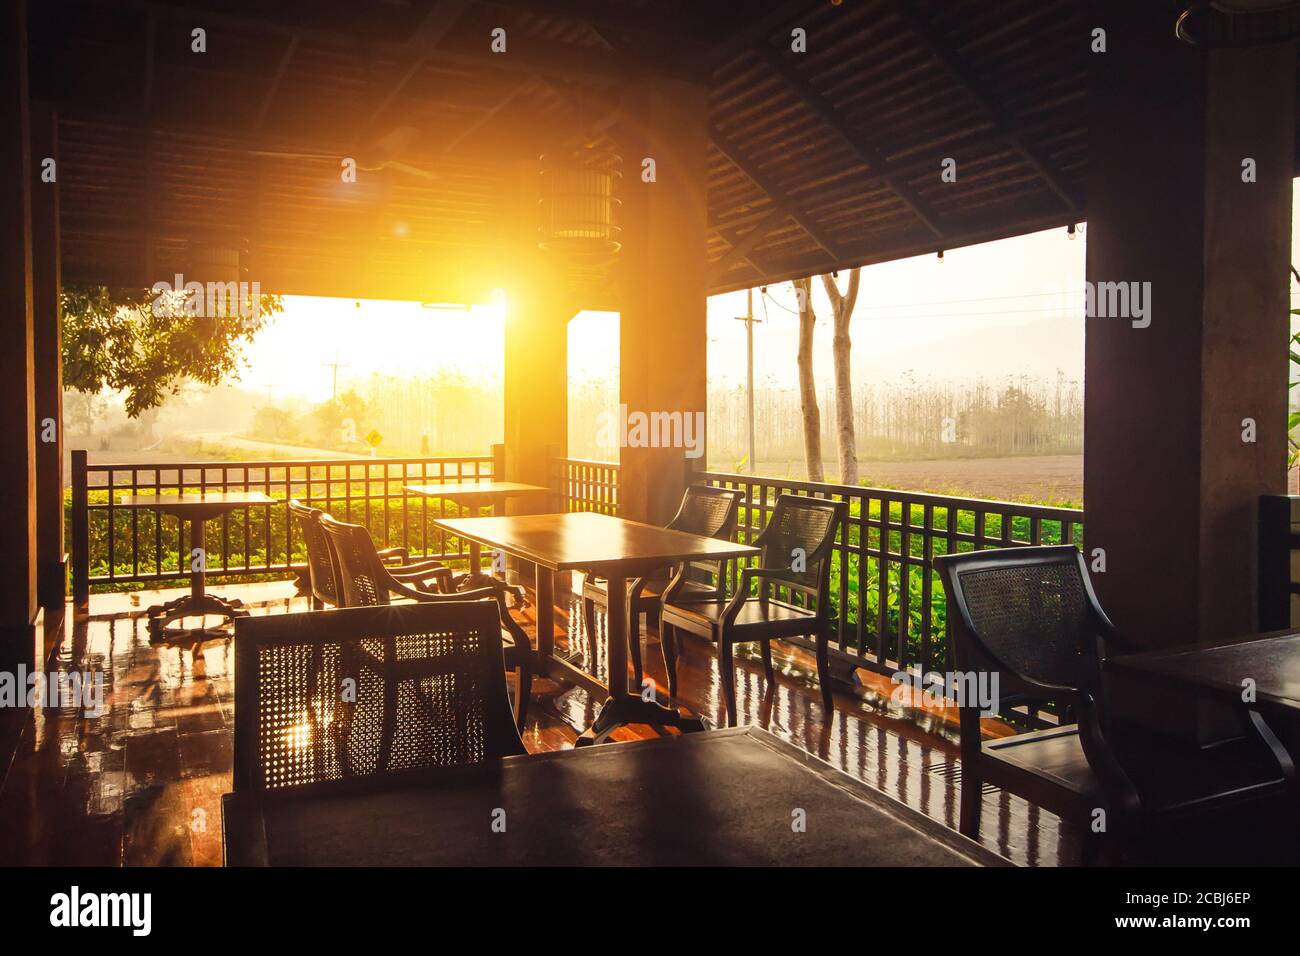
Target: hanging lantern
(219,260)
(579,204)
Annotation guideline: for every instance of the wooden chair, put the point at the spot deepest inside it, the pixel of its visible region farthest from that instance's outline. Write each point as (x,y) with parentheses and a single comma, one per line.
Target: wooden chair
(796,557)
(323,575)
(1030,616)
(356,692)
(364,581)
(706,511)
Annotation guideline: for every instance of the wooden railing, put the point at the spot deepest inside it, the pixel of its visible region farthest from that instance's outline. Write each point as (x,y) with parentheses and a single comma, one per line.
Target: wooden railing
(113,546)
(580,485)
(887,544)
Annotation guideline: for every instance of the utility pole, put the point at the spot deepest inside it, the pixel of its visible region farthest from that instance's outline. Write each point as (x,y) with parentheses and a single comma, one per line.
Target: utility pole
(749,320)
(335,365)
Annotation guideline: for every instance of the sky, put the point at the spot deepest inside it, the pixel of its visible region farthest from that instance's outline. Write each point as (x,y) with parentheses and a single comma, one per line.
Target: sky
(994,310)
(997,307)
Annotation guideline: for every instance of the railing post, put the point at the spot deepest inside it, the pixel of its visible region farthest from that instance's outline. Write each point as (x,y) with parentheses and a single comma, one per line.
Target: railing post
(555,498)
(80,533)
(498,453)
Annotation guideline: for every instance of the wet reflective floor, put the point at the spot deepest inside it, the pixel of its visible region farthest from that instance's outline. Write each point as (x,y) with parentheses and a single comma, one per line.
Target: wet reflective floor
(141,783)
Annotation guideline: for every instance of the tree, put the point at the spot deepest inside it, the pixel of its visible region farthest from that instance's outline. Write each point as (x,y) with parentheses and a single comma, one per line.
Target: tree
(276,423)
(841,312)
(148,344)
(812,419)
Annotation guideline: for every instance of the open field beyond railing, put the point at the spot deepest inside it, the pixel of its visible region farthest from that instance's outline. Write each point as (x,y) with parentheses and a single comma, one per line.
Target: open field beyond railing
(115,548)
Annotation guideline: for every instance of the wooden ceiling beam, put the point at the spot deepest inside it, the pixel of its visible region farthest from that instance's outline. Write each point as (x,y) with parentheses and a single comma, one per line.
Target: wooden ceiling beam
(277,79)
(755,30)
(603,17)
(1032,220)
(150,67)
(422,47)
(774,193)
(956,64)
(742,246)
(866,151)
(528,55)
(488,115)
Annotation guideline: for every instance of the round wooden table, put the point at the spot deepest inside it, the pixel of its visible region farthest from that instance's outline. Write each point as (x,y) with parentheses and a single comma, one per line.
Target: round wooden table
(196,509)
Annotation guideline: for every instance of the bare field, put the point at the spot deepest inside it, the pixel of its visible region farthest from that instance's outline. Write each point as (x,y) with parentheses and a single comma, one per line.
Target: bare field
(1049,479)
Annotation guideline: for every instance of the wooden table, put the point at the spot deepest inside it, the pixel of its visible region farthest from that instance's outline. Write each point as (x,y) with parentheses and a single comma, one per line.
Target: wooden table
(723,798)
(196,509)
(1271,661)
(477,494)
(617,549)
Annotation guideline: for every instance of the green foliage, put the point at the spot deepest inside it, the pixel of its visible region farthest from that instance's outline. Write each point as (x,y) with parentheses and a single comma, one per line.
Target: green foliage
(857,584)
(147,344)
(263,541)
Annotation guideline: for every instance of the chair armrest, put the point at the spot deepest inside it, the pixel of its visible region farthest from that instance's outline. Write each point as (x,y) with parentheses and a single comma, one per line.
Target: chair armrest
(414,566)
(477,594)
(1112,638)
(400,553)
(440,574)
(747,577)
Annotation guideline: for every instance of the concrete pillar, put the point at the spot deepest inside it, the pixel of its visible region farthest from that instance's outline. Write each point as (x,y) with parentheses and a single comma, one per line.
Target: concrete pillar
(51,561)
(18,610)
(662,289)
(1170,487)
(536,351)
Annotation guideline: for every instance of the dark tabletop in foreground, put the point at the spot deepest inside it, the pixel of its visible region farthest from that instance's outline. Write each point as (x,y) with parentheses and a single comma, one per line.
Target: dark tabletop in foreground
(727,797)
(1270,661)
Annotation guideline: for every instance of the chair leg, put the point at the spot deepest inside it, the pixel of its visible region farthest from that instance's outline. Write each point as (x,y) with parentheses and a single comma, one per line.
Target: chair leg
(634,648)
(668,644)
(589,620)
(727,671)
(766,648)
(824,673)
(523,690)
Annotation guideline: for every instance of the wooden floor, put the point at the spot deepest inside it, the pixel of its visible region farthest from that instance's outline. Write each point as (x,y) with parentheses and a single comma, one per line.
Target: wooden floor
(142,783)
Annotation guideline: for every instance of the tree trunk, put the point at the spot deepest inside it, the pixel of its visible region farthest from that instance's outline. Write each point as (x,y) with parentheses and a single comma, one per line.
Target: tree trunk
(842,312)
(812,419)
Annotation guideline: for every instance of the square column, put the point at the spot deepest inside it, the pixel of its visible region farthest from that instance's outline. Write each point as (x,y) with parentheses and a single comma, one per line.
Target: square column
(663,330)
(47,333)
(18,610)
(1191,160)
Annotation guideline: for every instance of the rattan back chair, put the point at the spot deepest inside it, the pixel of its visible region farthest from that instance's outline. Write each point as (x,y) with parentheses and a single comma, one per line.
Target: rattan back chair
(1029,617)
(706,511)
(364,581)
(321,573)
(796,556)
(356,692)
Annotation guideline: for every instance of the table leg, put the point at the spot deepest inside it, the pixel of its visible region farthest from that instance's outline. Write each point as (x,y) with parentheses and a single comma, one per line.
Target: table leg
(195,604)
(622,707)
(544,578)
(199,544)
